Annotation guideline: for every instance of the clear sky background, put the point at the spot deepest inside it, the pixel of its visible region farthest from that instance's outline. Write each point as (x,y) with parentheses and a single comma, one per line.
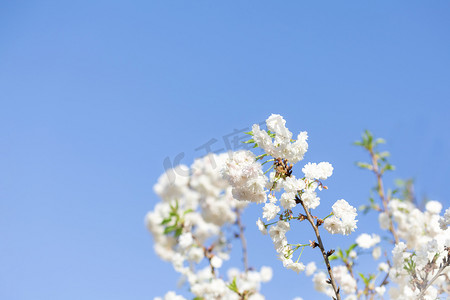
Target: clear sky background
(94,95)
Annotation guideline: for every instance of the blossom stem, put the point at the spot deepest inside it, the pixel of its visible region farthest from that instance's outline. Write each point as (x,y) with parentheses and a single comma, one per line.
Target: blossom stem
(322,250)
(206,253)
(380,191)
(439,273)
(261,156)
(270,168)
(269,160)
(267,225)
(243,240)
(303,248)
(327,216)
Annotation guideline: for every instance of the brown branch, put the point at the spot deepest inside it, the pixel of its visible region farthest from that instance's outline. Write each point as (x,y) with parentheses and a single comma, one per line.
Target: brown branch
(242,238)
(349,268)
(439,273)
(380,191)
(207,252)
(322,249)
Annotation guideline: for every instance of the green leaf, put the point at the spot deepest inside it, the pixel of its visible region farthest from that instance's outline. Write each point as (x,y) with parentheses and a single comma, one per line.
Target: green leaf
(188,211)
(364,165)
(387,167)
(178,232)
(233,286)
(166,220)
(169,229)
(366,280)
(364,208)
(384,154)
(347,252)
(333,257)
(380,141)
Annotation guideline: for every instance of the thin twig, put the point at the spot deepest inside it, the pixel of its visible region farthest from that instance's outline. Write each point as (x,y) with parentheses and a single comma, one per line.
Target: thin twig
(439,273)
(383,198)
(243,240)
(322,249)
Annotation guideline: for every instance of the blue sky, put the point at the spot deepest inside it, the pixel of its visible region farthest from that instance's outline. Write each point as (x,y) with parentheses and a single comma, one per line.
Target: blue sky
(94,95)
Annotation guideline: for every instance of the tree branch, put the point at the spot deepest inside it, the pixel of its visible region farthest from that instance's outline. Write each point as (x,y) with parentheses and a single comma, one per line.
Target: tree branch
(380,190)
(322,250)
(242,238)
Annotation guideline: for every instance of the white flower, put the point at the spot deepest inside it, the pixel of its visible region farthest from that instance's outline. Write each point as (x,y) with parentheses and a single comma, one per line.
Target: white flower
(261,226)
(275,123)
(380,290)
(246,177)
(383,267)
(321,285)
(177,261)
(344,279)
(216,262)
(196,254)
(383,219)
(266,273)
(171,296)
(319,171)
(444,222)
(333,225)
(278,235)
(262,138)
(348,226)
(310,199)
(432,246)
(270,211)
(297,150)
(297,267)
(256,296)
(366,241)
(433,207)
(310,268)
(398,255)
(421,257)
(376,253)
(291,184)
(278,231)
(287,200)
(343,210)
(185,240)
(272,198)
(343,221)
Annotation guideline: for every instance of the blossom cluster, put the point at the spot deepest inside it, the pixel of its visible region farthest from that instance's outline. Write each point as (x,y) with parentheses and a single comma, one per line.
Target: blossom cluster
(424,247)
(189,227)
(419,264)
(343,220)
(199,213)
(283,189)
